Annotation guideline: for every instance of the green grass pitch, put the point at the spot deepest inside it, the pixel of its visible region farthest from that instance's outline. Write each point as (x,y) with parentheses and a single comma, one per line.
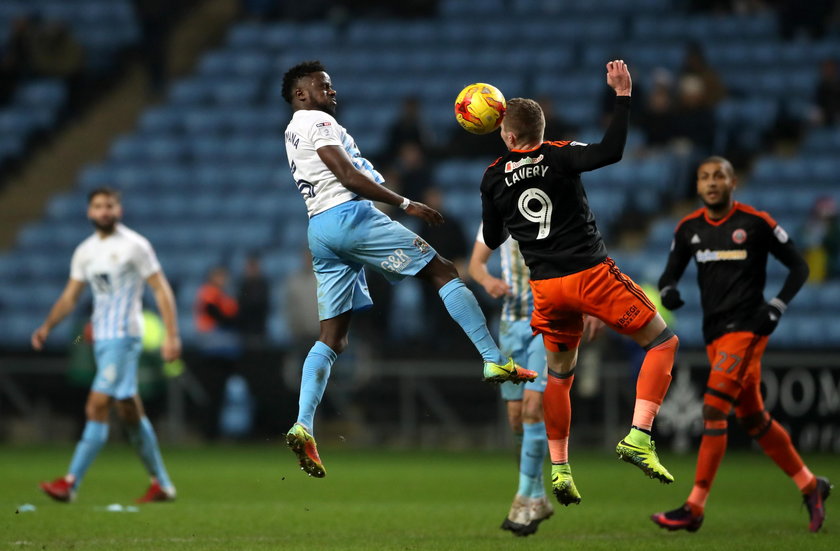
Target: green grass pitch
(254,497)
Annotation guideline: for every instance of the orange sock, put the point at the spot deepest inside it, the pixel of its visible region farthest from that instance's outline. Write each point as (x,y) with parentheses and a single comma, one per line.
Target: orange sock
(557,410)
(712,448)
(777,445)
(653,381)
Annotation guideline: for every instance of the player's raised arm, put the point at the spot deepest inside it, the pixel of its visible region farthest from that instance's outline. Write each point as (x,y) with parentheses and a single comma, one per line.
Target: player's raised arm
(165,300)
(60,310)
(350,177)
(611,148)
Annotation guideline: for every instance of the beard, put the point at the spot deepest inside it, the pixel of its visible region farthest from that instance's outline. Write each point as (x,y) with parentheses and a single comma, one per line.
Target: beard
(329,109)
(721,202)
(106,226)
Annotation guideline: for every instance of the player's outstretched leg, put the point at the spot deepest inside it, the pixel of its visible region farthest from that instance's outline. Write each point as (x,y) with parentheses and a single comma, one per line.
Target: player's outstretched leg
(303,445)
(510,371)
(464,309)
(680,518)
(815,503)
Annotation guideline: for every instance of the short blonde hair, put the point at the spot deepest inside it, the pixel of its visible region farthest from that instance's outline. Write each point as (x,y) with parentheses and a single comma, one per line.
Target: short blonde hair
(524,117)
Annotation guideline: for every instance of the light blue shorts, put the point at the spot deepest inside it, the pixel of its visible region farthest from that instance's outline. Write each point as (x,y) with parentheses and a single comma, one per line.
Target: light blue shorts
(116,366)
(516,339)
(350,236)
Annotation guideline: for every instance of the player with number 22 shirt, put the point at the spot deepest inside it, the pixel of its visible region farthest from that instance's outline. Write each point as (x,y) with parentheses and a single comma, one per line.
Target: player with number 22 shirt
(534,193)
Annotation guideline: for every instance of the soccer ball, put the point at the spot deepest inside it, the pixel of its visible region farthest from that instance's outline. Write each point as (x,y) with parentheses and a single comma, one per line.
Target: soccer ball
(480,108)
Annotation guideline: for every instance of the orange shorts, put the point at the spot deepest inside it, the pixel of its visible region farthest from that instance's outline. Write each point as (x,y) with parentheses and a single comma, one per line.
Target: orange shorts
(736,366)
(601,291)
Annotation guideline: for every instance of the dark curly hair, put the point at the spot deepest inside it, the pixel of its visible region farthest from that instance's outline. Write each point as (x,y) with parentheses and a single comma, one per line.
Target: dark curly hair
(293,75)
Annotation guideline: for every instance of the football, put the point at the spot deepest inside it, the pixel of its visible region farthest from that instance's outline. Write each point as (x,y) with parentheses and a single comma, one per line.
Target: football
(480,108)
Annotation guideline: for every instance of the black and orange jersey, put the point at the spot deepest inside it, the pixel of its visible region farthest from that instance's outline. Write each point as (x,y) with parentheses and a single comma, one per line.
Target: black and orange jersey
(537,196)
(731,256)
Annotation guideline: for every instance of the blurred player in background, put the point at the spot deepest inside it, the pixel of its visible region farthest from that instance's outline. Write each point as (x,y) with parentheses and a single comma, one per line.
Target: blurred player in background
(115,261)
(346,233)
(534,194)
(730,242)
(524,403)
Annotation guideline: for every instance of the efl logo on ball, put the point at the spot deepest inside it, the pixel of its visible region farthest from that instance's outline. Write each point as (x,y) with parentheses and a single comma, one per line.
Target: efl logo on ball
(480,108)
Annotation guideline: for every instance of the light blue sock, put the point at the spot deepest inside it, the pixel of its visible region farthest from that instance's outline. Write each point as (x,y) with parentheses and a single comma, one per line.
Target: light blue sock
(464,309)
(142,437)
(93,438)
(534,448)
(313,381)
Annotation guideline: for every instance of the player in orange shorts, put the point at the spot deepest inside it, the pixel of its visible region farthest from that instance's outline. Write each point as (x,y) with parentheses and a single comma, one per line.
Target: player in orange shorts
(730,242)
(534,193)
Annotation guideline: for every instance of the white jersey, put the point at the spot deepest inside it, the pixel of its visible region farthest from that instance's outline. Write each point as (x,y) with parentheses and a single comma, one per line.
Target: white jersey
(116,268)
(307,131)
(517,305)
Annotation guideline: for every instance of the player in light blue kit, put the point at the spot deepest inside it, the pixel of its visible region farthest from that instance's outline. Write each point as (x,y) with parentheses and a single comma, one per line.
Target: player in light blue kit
(524,403)
(347,233)
(116,261)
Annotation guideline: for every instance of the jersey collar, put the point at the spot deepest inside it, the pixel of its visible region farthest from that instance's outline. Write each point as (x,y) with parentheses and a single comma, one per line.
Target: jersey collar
(729,214)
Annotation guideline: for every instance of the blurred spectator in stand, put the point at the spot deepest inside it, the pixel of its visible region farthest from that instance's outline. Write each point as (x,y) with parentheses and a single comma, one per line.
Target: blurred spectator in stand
(809,18)
(695,119)
(408,128)
(57,54)
(254,299)
(260,10)
(658,120)
(218,344)
(695,64)
(15,57)
(414,170)
(828,92)
(154,25)
(450,242)
(556,128)
(819,238)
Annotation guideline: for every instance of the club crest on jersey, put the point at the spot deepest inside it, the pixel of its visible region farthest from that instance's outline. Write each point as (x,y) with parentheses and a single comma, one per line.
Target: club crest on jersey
(421,245)
(739,236)
(510,166)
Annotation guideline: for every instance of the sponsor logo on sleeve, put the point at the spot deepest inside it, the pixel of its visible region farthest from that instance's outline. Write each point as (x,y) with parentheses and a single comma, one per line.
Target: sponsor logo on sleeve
(780,234)
(324,128)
